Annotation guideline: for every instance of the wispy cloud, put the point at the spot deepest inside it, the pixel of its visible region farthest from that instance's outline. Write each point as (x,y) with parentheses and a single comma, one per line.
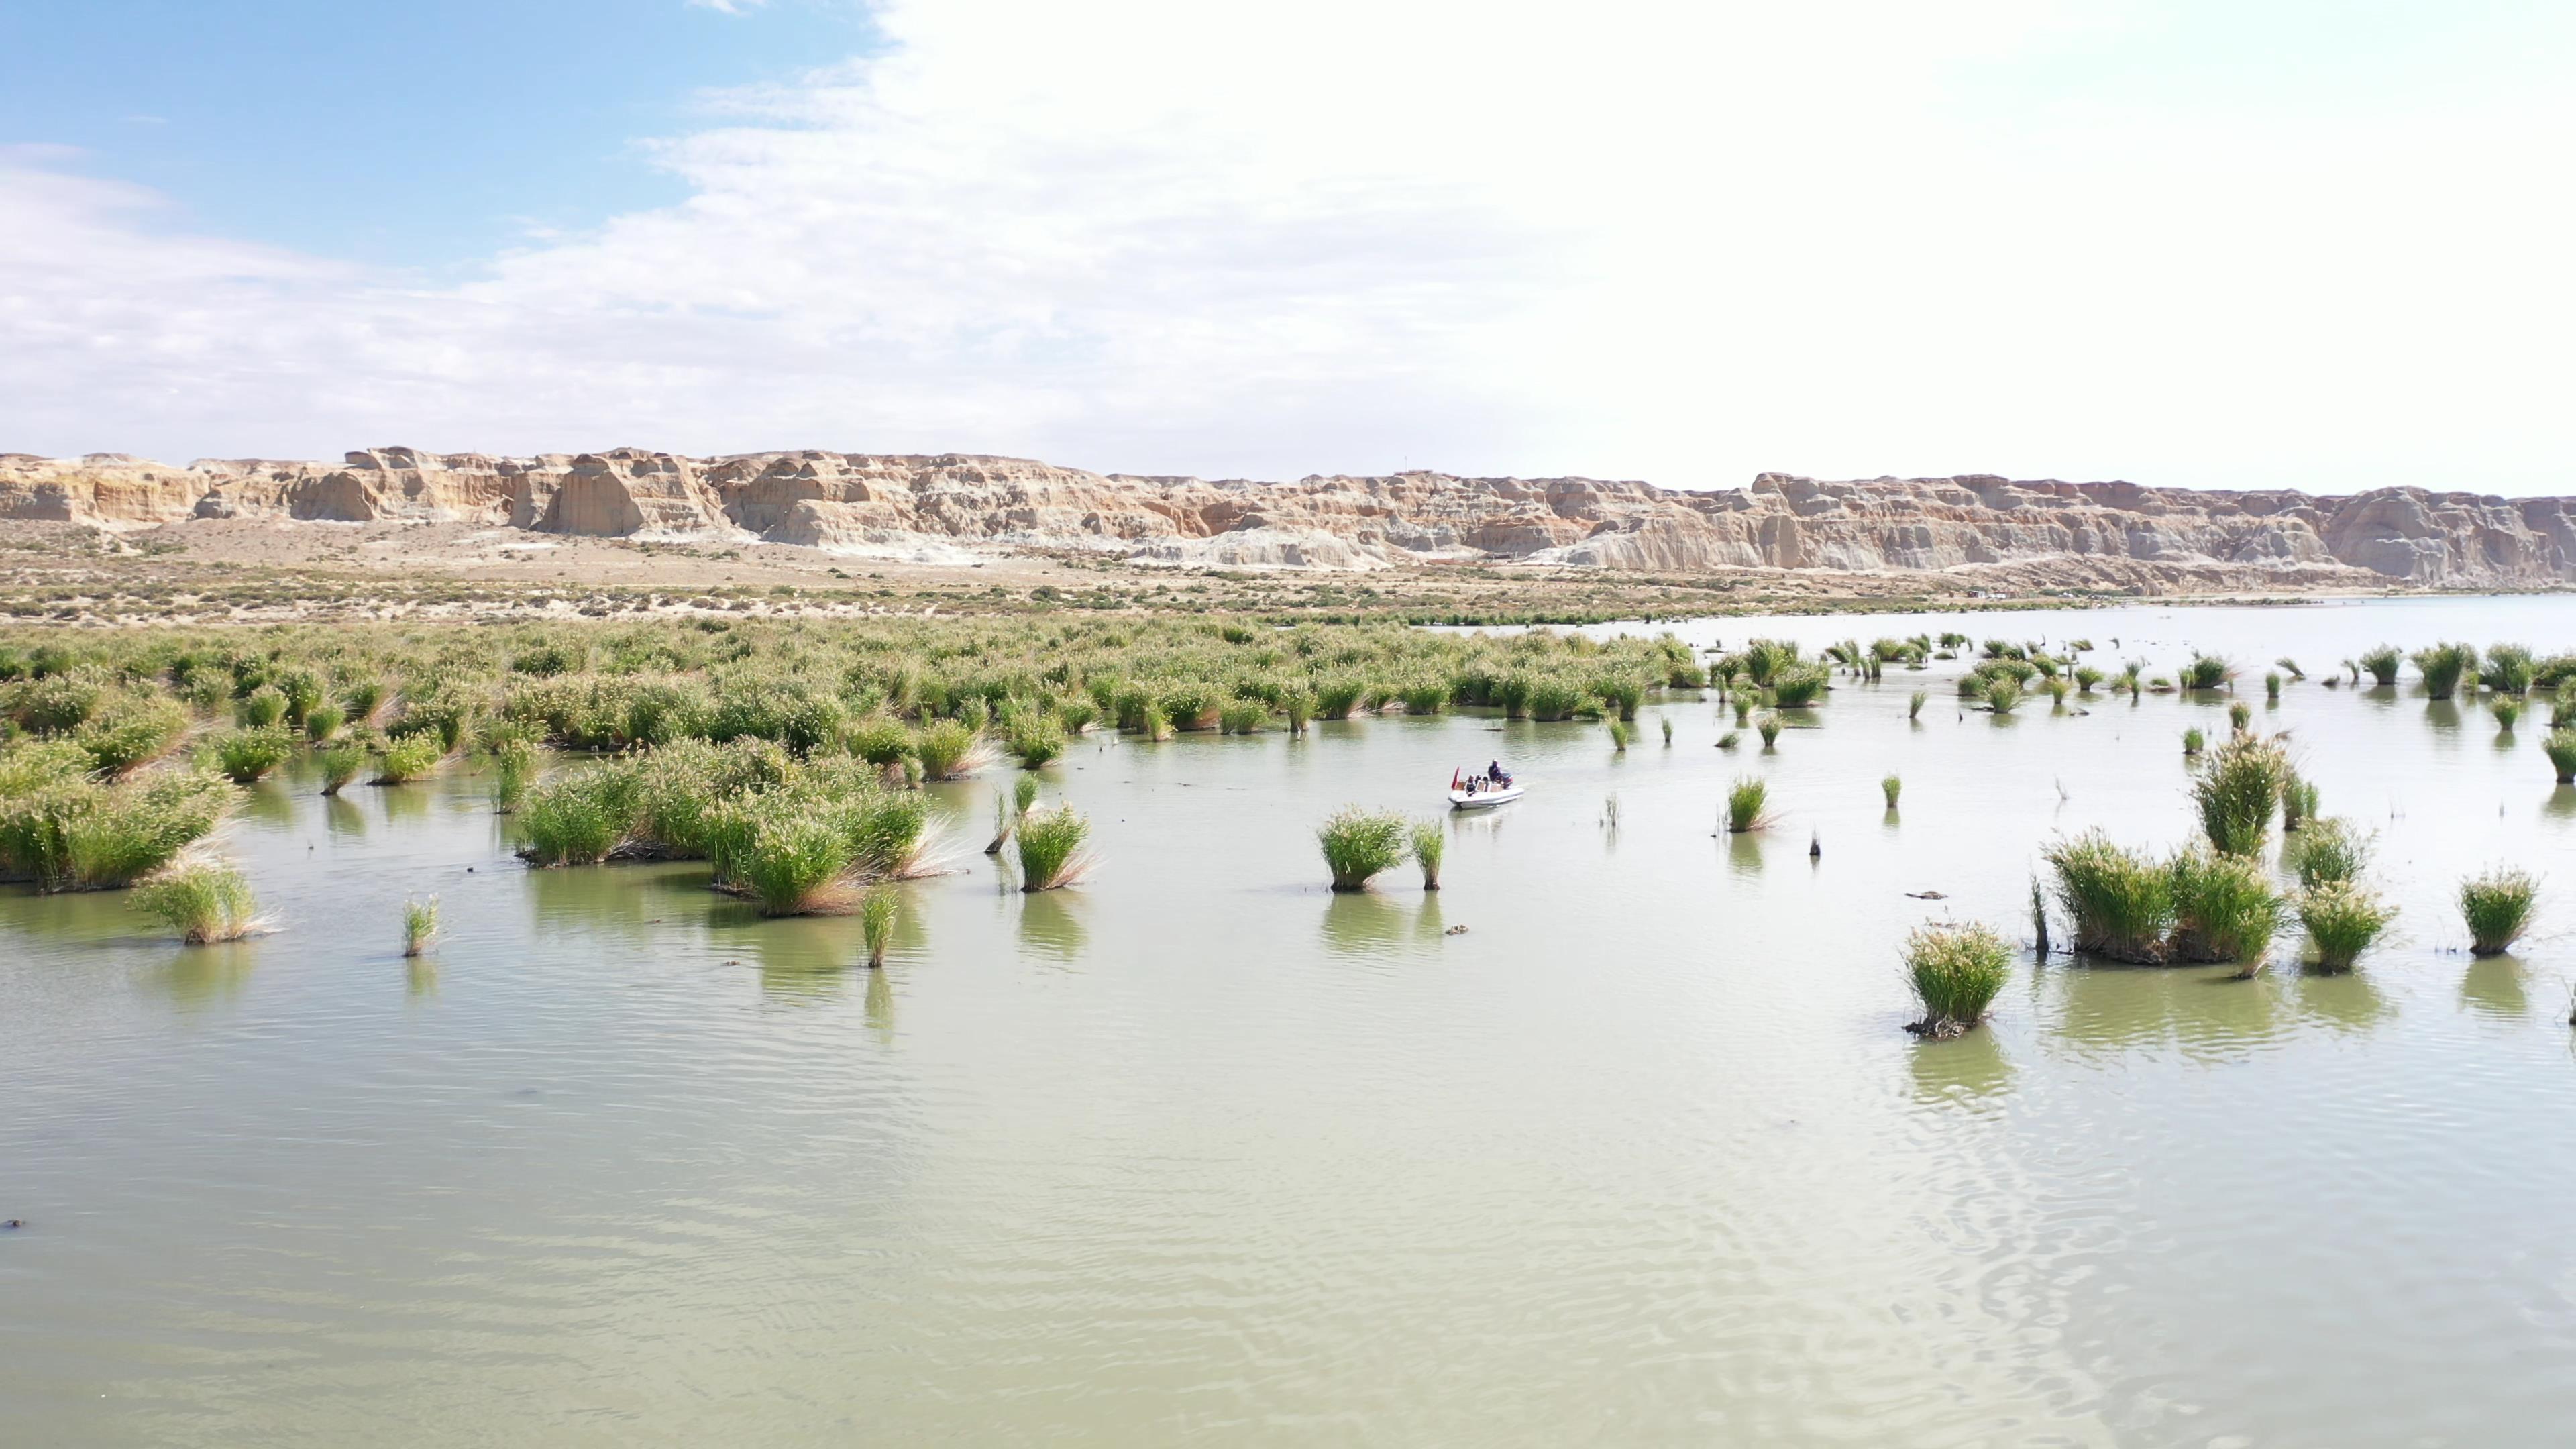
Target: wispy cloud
(1633,240)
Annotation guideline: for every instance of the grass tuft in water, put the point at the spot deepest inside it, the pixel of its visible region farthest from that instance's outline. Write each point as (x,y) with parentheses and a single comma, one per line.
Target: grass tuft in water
(204,901)
(2382,663)
(2506,710)
(2193,741)
(2002,693)
(2497,907)
(1430,843)
(2330,850)
(1036,739)
(1359,843)
(1051,853)
(514,764)
(2298,802)
(1729,740)
(945,748)
(245,755)
(794,864)
(407,759)
(340,765)
(2342,920)
(2240,717)
(1914,704)
(2238,791)
(2119,903)
(1891,787)
(1667,722)
(2443,666)
(2207,671)
(2560,747)
(1745,800)
(2224,908)
(1768,726)
(876,924)
(1956,973)
(420,925)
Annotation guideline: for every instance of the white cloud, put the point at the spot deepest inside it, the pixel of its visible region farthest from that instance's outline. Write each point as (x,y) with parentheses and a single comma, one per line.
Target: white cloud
(1674,242)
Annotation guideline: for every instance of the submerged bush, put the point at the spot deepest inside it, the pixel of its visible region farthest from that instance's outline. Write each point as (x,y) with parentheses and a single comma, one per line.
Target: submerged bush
(2330,850)
(2497,908)
(420,925)
(2224,908)
(2506,710)
(410,758)
(245,755)
(1744,804)
(1891,787)
(1360,843)
(2442,667)
(341,764)
(1430,844)
(2382,663)
(2342,919)
(2560,747)
(2193,741)
(1051,853)
(876,924)
(1956,973)
(1800,686)
(2207,671)
(1768,726)
(203,901)
(2238,791)
(2119,902)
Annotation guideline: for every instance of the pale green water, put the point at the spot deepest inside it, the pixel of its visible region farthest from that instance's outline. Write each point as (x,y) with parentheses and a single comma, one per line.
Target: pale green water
(1197,1152)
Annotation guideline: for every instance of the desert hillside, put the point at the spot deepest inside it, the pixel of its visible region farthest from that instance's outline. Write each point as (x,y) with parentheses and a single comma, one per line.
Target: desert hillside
(955,507)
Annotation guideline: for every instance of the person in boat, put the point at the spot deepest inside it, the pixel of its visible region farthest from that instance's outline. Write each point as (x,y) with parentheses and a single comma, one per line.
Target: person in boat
(1501,777)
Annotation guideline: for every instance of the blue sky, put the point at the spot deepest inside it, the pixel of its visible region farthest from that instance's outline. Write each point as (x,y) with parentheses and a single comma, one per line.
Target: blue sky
(416,134)
(2297,243)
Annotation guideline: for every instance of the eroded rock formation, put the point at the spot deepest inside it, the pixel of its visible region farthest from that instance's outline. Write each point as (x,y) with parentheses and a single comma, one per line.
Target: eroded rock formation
(959,505)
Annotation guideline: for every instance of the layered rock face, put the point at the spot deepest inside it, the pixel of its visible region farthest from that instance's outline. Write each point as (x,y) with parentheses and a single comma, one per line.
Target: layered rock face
(958,505)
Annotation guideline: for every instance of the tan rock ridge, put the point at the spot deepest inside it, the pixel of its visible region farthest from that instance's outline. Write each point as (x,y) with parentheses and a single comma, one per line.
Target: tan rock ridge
(960,506)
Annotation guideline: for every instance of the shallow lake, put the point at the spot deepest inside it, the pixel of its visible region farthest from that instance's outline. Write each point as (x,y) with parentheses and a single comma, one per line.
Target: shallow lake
(1200,1152)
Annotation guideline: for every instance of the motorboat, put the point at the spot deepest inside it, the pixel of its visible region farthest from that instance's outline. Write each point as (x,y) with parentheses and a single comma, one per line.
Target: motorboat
(1464,796)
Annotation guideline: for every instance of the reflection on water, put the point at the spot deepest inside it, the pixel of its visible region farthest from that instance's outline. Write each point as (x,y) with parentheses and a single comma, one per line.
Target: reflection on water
(1364,924)
(1967,1066)
(343,818)
(2442,713)
(1050,923)
(420,977)
(1744,852)
(2347,1000)
(2561,803)
(880,1003)
(197,976)
(2203,1011)
(2496,986)
(401,802)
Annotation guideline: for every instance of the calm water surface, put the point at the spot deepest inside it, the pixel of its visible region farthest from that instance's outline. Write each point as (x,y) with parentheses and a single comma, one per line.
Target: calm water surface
(1198,1152)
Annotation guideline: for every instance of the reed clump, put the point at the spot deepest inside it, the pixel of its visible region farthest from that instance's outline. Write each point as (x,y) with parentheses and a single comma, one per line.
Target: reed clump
(1914,703)
(65,830)
(1051,848)
(1746,802)
(2119,902)
(420,925)
(2343,919)
(2497,907)
(245,755)
(2331,850)
(2240,717)
(1891,787)
(1956,973)
(341,764)
(1430,844)
(413,757)
(2193,741)
(515,766)
(2506,709)
(1768,726)
(2224,908)
(877,912)
(2443,666)
(2382,662)
(1359,843)
(2560,747)
(2237,792)
(945,748)
(203,900)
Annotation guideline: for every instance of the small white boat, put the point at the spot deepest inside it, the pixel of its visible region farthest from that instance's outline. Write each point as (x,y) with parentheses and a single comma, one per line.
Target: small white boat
(1461,798)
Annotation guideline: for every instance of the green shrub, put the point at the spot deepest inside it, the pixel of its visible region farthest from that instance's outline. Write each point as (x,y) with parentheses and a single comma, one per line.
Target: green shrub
(2342,920)
(1036,741)
(1768,726)
(876,924)
(264,707)
(2497,907)
(2207,671)
(420,925)
(2120,903)
(323,721)
(2240,717)
(1051,853)
(130,731)
(245,755)
(2382,663)
(2238,791)
(515,764)
(408,759)
(203,901)
(1956,973)
(794,864)
(2002,693)
(1914,705)
(2560,747)
(2506,710)
(881,741)
(1244,717)
(1430,844)
(576,818)
(2224,908)
(1799,686)
(2193,741)
(2443,666)
(340,765)
(1358,844)
(1745,800)
(945,748)
(1891,787)
(2330,850)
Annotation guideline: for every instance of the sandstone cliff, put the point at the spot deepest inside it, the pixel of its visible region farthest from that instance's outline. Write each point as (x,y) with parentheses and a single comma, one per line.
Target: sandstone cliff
(956,506)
